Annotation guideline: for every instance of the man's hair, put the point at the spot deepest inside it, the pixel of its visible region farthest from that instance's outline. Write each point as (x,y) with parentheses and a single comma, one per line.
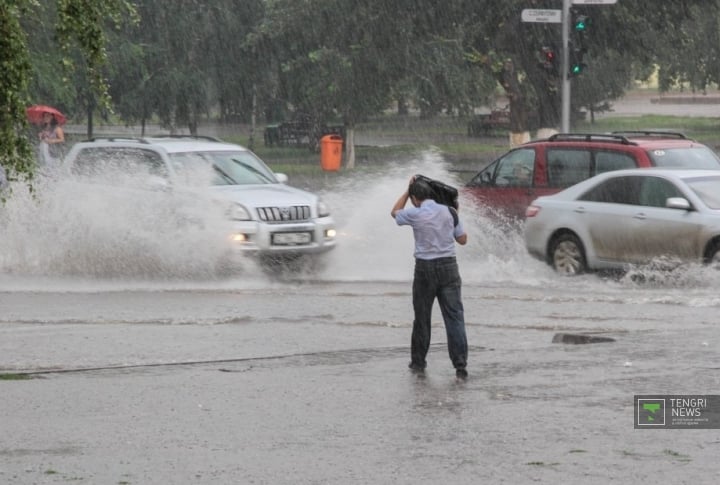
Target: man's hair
(421,190)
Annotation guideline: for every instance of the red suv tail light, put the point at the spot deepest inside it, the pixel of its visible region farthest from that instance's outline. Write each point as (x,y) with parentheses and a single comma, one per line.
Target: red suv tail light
(532,211)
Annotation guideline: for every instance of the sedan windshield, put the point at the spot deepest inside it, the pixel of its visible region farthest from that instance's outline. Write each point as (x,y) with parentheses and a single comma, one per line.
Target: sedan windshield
(708,189)
(221,168)
(697,157)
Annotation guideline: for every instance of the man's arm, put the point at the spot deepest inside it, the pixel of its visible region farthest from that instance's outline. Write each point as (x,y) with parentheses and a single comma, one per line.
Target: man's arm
(400,204)
(462,237)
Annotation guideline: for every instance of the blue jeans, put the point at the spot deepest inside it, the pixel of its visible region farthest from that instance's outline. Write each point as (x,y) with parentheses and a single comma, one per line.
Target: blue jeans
(438,278)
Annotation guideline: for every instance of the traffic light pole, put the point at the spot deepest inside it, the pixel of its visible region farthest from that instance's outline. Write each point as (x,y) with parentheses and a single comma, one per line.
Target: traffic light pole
(565,70)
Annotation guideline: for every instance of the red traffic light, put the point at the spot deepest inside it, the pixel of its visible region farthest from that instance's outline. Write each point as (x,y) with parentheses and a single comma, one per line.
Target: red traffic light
(548,58)
(548,54)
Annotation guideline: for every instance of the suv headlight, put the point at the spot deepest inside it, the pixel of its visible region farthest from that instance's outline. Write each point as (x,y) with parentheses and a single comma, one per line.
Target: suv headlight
(323,209)
(239,213)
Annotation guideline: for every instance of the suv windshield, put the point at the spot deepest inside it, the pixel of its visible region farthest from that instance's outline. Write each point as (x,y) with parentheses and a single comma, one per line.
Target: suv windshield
(696,157)
(229,168)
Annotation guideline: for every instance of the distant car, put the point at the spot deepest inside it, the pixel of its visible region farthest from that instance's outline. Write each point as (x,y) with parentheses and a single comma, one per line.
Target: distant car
(544,167)
(266,217)
(628,217)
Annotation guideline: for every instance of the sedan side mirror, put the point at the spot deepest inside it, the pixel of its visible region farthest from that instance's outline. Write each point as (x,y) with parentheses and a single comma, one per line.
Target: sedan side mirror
(281,177)
(678,203)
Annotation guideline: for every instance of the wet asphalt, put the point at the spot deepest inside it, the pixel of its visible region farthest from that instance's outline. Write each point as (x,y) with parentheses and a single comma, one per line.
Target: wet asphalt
(192,387)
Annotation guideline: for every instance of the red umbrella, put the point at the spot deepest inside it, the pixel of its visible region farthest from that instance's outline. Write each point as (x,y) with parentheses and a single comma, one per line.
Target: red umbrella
(35,114)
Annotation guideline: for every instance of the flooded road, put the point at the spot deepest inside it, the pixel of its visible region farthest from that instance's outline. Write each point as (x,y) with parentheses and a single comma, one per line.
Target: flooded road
(174,376)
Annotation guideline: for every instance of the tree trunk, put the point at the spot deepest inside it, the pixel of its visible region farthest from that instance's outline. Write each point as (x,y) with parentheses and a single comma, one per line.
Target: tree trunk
(350,146)
(519,132)
(90,128)
(253,116)
(402,106)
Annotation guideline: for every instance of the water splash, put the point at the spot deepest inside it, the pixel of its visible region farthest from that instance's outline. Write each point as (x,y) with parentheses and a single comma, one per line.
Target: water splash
(372,247)
(68,229)
(64,237)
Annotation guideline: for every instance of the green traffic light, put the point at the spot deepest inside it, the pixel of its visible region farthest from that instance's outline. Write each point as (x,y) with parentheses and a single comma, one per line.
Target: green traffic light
(581,23)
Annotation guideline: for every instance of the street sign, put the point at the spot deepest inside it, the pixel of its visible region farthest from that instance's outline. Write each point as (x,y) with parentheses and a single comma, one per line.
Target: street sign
(544,16)
(594,2)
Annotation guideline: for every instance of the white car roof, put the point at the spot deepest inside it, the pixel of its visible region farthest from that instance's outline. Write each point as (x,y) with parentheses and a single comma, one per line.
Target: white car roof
(668,172)
(169,144)
(179,145)
(673,173)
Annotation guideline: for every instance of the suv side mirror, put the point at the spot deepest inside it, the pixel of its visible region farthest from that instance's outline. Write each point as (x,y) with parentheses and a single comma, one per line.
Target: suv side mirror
(155,182)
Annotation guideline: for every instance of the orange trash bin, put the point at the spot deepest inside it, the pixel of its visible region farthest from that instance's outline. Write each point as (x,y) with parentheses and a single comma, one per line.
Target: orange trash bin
(331,152)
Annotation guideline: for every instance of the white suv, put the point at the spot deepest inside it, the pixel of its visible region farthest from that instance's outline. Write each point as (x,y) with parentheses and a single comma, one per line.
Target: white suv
(267,217)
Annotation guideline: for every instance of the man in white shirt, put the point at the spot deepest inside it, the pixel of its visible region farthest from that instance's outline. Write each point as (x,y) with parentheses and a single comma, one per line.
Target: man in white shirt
(436,229)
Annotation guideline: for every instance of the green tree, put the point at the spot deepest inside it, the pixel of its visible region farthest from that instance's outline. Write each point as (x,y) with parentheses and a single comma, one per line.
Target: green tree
(79,25)
(181,63)
(693,59)
(15,150)
(348,58)
(631,33)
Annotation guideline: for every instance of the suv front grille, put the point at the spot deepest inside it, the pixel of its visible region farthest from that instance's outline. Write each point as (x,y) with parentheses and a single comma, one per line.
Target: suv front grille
(284,214)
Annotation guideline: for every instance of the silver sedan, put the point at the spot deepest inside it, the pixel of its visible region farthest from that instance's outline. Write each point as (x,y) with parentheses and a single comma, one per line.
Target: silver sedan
(627,217)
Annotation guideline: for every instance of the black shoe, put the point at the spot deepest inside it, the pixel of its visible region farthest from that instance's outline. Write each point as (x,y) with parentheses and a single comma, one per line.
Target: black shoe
(416,367)
(461,373)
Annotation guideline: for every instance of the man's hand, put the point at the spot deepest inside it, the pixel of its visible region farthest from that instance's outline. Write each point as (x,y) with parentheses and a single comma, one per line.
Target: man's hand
(400,203)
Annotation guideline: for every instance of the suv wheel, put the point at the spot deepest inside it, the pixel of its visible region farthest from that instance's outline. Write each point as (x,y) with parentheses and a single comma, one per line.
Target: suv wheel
(567,255)
(712,256)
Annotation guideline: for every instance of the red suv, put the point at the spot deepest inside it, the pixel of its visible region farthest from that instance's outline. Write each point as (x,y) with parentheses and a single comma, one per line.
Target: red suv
(542,167)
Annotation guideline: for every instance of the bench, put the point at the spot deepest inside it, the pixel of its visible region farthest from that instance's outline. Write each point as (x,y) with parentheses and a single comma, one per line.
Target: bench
(299,134)
(484,124)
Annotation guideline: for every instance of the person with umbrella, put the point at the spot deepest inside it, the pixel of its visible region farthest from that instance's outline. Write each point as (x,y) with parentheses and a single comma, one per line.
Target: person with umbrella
(52,136)
(52,140)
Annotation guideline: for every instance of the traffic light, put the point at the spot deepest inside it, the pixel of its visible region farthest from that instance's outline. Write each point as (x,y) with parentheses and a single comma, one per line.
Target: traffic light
(577,66)
(581,23)
(549,59)
(578,43)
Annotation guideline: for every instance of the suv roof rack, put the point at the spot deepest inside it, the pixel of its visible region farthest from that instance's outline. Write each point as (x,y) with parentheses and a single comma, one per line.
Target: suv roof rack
(652,133)
(117,138)
(604,137)
(191,137)
(147,139)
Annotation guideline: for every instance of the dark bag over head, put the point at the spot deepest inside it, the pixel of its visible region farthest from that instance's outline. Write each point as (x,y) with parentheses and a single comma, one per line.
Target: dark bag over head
(444,193)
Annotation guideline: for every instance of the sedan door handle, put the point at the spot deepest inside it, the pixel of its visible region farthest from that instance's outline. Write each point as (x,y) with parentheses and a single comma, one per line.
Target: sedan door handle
(640,215)
(580,210)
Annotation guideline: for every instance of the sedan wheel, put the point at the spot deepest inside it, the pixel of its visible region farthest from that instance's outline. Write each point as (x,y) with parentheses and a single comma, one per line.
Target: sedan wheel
(567,255)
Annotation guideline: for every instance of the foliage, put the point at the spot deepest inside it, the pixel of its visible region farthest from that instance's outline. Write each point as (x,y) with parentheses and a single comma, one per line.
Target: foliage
(15,149)
(79,22)
(692,59)
(329,59)
(14,377)
(178,63)
(623,39)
